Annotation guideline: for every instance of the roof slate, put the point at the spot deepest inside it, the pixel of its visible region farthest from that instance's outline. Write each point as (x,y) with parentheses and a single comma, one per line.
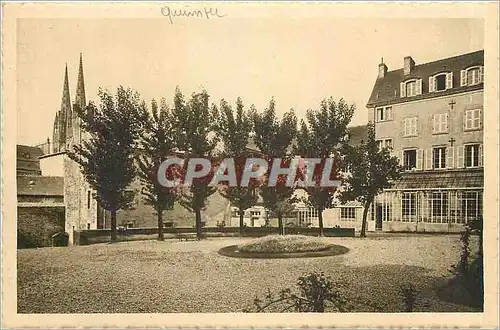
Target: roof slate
(40,185)
(386,90)
(27,159)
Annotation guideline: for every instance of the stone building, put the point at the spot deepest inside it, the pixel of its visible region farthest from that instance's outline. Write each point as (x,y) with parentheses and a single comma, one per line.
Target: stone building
(431,116)
(40,201)
(81,210)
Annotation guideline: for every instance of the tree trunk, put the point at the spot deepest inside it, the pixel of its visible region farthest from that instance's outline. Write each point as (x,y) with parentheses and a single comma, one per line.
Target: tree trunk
(280,223)
(160,225)
(242,221)
(198,223)
(113,226)
(320,219)
(363,223)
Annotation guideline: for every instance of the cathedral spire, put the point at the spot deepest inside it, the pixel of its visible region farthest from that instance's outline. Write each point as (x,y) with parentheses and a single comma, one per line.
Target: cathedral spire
(80,87)
(65,115)
(66,100)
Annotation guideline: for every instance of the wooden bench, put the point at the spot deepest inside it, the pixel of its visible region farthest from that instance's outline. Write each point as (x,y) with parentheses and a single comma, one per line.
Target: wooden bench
(186,236)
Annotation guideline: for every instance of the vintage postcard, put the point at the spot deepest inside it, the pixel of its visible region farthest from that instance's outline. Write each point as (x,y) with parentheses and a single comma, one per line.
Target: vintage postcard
(190,164)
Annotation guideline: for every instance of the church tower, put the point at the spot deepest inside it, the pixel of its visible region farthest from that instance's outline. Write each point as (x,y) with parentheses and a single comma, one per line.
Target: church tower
(80,206)
(80,103)
(62,119)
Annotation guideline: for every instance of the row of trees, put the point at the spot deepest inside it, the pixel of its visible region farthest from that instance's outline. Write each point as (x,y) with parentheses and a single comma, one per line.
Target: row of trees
(126,140)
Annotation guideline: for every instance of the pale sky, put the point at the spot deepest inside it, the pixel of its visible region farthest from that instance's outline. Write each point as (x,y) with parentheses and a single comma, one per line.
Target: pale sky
(296,61)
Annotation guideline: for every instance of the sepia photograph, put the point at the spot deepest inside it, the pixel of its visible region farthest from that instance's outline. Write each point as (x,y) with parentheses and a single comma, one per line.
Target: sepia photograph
(253,158)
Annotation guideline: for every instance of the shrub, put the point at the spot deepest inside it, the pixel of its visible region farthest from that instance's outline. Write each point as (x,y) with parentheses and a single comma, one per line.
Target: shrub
(284,244)
(316,292)
(469,271)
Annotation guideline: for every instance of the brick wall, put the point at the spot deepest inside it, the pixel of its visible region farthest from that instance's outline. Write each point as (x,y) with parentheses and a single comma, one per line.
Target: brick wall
(36,225)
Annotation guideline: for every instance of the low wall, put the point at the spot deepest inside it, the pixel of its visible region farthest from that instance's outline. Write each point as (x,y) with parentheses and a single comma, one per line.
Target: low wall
(35,225)
(94,236)
(424,227)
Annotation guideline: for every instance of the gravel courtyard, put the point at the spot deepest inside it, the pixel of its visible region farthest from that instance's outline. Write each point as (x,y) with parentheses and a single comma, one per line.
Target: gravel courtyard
(173,276)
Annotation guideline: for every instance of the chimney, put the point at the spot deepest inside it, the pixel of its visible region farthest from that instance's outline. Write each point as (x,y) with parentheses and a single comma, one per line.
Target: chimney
(382,69)
(409,64)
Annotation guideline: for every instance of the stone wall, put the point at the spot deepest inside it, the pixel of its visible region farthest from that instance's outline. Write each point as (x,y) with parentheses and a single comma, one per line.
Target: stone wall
(424,110)
(86,237)
(81,211)
(36,225)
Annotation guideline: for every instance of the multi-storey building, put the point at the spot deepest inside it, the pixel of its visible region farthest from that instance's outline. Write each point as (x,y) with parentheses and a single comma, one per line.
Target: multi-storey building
(431,116)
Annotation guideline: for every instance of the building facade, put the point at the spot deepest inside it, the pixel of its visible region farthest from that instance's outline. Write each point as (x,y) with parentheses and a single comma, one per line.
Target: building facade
(431,117)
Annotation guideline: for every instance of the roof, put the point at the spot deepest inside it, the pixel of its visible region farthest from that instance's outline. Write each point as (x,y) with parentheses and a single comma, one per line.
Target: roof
(386,90)
(357,134)
(450,179)
(350,204)
(27,159)
(40,185)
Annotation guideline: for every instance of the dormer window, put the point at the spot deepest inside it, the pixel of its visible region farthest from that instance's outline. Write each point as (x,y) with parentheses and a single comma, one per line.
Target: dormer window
(440,82)
(472,76)
(411,88)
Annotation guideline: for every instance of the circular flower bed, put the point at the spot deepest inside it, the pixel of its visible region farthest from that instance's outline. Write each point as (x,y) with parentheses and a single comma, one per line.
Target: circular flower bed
(291,246)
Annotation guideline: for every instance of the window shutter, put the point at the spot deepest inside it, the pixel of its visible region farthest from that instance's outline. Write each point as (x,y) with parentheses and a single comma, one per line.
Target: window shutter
(402,163)
(420,159)
(463,78)
(419,86)
(450,157)
(449,80)
(405,127)
(481,74)
(415,123)
(388,113)
(481,155)
(433,123)
(480,116)
(432,85)
(428,159)
(444,122)
(460,157)
(402,90)
(465,119)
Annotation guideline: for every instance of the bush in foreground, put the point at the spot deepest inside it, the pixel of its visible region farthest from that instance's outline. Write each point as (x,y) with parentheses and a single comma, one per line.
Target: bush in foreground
(316,292)
(284,244)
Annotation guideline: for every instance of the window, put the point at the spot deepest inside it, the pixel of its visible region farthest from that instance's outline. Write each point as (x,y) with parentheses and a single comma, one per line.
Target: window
(440,82)
(472,119)
(439,206)
(384,143)
(384,114)
(409,205)
(88,199)
(410,159)
(440,123)
(472,205)
(347,213)
(472,155)
(410,126)
(472,76)
(411,88)
(439,157)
